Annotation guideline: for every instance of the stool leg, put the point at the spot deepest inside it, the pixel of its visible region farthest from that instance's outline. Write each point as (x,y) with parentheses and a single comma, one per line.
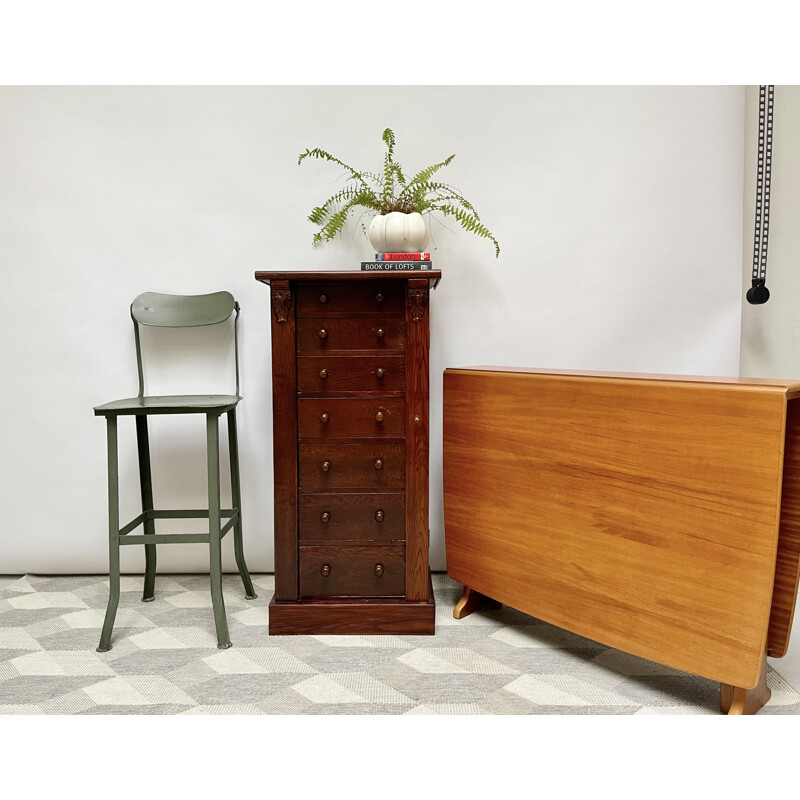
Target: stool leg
(214,538)
(146,482)
(236,492)
(113,535)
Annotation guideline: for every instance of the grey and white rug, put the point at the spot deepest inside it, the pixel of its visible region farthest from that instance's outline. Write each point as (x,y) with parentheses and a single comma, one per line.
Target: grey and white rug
(165,660)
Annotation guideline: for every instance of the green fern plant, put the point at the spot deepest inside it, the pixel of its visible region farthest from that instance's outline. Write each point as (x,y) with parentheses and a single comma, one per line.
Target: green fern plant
(390,190)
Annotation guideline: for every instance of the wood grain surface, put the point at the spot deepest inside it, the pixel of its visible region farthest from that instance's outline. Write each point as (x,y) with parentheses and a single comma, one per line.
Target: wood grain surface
(787,569)
(642,514)
(416,424)
(284,442)
(330,298)
(353,616)
(352,516)
(375,375)
(348,276)
(347,570)
(736,701)
(791,388)
(344,418)
(352,466)
(317,335)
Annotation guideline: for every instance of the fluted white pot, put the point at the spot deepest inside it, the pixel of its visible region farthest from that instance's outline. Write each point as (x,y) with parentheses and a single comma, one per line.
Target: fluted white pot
(396,232)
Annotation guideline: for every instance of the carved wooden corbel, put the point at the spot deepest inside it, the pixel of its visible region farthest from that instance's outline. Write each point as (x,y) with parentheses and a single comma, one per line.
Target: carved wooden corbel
(417,302)
(281,304)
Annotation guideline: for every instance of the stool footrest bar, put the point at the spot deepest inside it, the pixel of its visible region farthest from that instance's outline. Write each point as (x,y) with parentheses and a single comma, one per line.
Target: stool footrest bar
(146,516)
(191,513)
(170,538)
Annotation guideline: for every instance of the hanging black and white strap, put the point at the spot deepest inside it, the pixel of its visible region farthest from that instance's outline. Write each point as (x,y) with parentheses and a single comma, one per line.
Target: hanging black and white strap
(758,292)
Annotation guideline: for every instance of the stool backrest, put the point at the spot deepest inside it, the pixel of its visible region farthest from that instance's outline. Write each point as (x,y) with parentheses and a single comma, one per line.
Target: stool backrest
(183,311)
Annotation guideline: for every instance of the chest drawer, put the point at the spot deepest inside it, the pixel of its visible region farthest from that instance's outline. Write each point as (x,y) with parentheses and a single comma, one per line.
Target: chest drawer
(354,516)
(324,334)
(332,374)
(343,418)
(352,466)
(352,571)
(372,297)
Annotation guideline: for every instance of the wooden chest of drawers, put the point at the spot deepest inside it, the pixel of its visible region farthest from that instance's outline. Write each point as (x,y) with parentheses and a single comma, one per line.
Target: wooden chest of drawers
(350,438)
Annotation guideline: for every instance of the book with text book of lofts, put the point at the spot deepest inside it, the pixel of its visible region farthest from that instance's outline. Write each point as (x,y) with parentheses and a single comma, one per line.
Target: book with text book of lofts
(398,261)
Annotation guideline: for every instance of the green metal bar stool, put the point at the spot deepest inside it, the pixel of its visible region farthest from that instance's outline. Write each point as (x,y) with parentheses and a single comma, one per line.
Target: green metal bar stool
(176,311)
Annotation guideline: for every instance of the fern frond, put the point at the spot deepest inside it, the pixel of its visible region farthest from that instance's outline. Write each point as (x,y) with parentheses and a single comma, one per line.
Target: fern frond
(398,171)
(388,140)
(434,192)
(388,163)
(321,213)
(337,220)
(424,175)
(469,222)
(392,171)
(325,156)
(388,177)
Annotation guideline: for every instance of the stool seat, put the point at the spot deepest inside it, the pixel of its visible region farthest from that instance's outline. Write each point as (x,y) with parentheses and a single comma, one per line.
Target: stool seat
(170,404)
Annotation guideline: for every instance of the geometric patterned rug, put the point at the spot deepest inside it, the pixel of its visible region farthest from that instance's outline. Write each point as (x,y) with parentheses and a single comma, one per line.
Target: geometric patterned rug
(165,660)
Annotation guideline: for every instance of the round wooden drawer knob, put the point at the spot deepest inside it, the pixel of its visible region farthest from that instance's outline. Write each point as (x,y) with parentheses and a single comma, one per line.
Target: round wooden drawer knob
(323,418)
(379,569)
(325,517)
(379,373)
(325,571)
(379,515)
(326,466)
(323,334)
(380,333)
(323,373)
(323,298)
(378,463)
(379,297)
(379,417)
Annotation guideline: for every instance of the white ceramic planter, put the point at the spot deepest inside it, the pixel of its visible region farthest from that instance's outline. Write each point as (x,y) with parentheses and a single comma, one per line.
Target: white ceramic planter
(396,232)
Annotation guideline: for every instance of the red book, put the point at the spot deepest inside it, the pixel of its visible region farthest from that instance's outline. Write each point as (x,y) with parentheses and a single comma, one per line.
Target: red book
(402,256)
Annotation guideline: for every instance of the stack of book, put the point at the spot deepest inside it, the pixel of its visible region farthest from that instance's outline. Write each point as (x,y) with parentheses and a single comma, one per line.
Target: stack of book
(392,261)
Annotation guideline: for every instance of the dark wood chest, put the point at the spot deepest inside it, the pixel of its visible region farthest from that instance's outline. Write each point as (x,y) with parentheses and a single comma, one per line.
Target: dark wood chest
(350,443)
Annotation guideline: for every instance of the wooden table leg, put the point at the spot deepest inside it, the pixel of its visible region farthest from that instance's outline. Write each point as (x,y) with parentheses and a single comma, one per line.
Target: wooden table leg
(471,601)
(735,700)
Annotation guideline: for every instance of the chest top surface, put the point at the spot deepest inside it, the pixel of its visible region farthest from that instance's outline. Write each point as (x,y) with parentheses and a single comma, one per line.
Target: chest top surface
(433,276)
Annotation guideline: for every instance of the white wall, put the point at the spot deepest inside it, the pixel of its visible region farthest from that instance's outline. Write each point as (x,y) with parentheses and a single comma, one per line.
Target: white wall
(771,332)
(618,210)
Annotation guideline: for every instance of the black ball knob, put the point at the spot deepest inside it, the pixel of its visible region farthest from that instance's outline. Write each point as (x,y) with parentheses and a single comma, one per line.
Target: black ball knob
(758,293)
